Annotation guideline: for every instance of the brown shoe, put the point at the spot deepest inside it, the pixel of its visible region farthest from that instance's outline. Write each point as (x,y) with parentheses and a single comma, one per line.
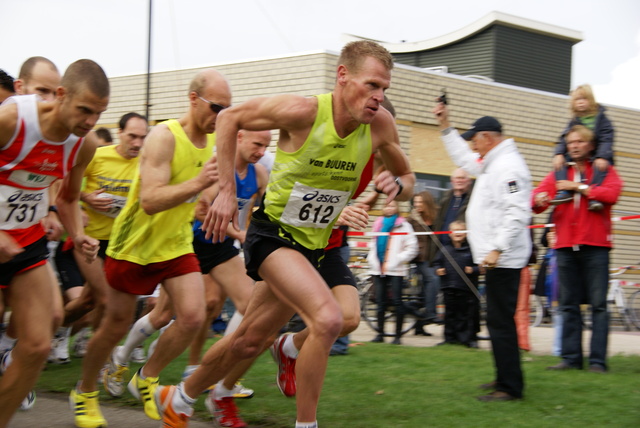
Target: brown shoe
(489,386)
(497,396)
(562,366)
(594,368)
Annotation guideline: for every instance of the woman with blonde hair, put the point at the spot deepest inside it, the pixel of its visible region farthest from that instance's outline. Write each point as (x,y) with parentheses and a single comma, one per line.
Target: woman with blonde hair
(587,112)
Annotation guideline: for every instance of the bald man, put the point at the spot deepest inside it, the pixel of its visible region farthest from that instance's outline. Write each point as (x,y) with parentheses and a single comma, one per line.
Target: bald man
(38,75)
(151,243)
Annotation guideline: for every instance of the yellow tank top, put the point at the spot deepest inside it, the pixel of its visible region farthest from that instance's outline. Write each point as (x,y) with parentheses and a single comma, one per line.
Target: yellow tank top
(141,238)
(308,189)
(110,171)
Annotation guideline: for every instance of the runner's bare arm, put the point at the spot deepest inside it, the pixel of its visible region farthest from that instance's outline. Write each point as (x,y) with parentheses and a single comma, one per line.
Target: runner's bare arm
(205,200)
(385,139)
(156,194)
(8,122)
(292,115)
(262,176)
(68,200)
(51,222)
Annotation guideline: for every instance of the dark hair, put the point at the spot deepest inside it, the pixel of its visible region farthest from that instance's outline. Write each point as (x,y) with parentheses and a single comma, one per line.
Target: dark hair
(104,134)
(6,81)
(125,119)
(431,207)
(27,67)
(85,73)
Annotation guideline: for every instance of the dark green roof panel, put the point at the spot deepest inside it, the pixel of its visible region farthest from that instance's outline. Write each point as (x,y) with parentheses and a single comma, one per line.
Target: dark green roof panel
(473,56)
(504,54)
(532,60)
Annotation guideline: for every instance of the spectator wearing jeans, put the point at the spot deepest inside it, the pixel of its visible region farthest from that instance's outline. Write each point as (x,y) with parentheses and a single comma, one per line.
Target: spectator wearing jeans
(583,242)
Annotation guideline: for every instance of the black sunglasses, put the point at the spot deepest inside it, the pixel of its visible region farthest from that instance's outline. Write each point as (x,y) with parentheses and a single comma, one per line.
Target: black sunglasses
(215,107)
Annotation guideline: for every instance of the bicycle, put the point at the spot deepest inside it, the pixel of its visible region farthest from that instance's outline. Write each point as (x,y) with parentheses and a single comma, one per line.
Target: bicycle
(412,299)
(634,306)
(617,306)
(616,298)
(536,310)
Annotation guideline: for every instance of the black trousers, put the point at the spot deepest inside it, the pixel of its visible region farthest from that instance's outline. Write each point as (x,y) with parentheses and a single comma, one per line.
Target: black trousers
(502,296)
(459,322)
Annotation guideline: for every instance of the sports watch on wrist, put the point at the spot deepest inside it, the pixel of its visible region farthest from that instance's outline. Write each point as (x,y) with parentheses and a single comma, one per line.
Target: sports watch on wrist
(399,183)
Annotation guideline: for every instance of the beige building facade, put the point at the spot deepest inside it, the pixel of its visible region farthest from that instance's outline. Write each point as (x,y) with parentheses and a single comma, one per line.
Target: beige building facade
(533,118)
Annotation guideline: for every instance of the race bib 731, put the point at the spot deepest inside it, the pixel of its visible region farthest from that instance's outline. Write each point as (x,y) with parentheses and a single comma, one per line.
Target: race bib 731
(21,208)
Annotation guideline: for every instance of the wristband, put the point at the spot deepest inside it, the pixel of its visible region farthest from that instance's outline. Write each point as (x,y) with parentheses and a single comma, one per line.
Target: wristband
(399,183)
(53,208)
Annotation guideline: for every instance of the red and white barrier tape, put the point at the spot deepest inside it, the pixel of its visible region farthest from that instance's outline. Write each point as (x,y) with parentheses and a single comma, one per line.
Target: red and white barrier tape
(446,232)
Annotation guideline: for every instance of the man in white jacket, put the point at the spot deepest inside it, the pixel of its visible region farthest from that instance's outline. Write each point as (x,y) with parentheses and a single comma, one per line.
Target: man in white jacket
(497,219)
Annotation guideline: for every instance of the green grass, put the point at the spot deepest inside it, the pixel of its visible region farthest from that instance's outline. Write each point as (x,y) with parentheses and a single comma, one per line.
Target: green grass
(380,385)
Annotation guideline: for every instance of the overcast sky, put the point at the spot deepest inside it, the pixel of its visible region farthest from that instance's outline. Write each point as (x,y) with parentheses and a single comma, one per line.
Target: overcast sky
(193,33)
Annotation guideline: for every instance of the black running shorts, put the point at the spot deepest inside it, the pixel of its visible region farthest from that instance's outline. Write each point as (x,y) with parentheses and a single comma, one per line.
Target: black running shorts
(34,255)
(334,271)
(265,237)
(212,255)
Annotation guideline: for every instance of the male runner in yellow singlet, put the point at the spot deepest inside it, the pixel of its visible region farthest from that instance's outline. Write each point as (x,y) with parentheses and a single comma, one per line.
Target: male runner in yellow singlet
(324,144)
(151,243)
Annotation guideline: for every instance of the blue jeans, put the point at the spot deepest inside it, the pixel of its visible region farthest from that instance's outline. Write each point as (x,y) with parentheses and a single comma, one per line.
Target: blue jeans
(430,287)
(584,278)
(341,345)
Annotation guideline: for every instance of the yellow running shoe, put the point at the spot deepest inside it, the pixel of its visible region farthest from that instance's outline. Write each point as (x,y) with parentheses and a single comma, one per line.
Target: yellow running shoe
(86,409)
(144,390)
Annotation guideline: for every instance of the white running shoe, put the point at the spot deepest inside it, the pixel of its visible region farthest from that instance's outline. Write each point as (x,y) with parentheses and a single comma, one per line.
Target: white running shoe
(4,361)
(81,343)
(114,377)
(28,401)
(59,350)
(138,356)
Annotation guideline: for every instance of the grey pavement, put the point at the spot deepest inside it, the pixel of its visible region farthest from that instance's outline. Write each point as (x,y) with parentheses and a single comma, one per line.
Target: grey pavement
(540,338)
(52,410)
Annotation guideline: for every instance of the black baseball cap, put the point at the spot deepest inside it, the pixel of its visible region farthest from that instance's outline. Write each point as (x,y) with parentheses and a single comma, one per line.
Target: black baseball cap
(486,123)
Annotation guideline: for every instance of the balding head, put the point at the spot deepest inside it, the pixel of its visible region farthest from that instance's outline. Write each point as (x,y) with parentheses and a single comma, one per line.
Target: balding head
(460,181)
(207,79)
(209,93)
(253,144)
(40,76)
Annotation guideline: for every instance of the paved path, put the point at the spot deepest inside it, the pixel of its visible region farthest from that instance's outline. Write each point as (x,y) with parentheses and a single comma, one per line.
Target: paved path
(52,410)
(541,339)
